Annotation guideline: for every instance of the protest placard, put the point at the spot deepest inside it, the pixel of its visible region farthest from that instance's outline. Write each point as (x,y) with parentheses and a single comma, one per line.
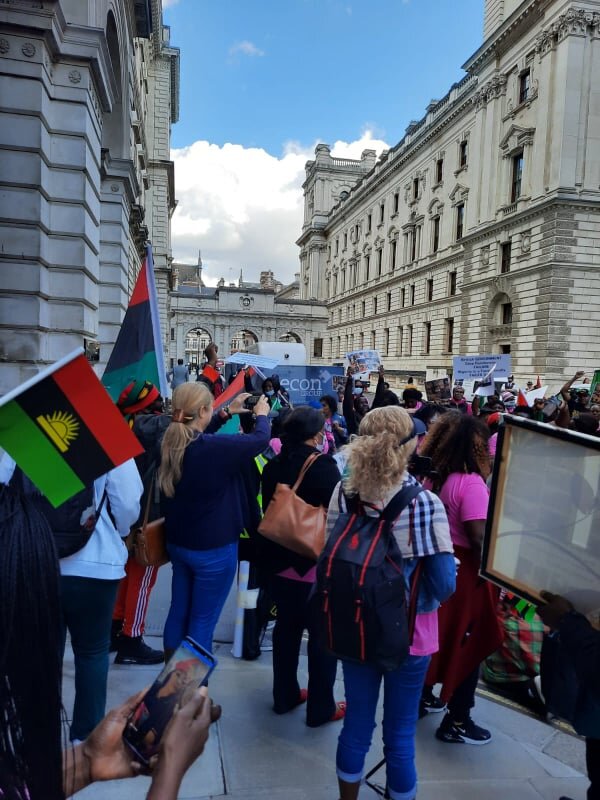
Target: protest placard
(252,360)
(595,381)
(363,361)
(542,531)
(477,367)
(438,390)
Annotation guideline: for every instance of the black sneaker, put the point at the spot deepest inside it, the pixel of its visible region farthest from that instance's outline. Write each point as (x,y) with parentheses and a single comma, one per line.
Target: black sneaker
(432,704)
(115,635)
(462,732)
(133,650)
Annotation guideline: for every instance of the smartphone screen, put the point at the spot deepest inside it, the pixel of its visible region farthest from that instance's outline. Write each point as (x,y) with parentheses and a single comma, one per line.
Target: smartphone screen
(188,669)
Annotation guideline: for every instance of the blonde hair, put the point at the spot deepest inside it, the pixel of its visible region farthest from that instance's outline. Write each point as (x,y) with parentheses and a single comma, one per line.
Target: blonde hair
(376,459)
(188,400)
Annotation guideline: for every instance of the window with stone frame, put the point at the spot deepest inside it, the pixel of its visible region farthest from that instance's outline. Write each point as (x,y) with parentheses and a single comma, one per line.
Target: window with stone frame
(381,213)
(412,294)
(524,85)
(516,177)
(436,222)
(389,301)
(427,337)
(386,341)
(415,189)
(399,341)
(429,292)
(318,348)
(506,311)
(409,340)
(463,154)
(396,202)
(460,221)
(363,309)
(375,304)
(379,261)
(373,340)
(367,266)
(450,335)
(439,170)
(369,223)
(505,256)
(393,252)
(452,283)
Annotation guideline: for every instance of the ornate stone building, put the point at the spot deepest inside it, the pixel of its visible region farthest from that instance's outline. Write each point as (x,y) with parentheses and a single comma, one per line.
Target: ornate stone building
(236,315)
(480,230)
(89,89)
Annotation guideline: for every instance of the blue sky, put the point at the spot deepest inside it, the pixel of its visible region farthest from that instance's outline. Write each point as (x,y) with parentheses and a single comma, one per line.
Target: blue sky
(263,81)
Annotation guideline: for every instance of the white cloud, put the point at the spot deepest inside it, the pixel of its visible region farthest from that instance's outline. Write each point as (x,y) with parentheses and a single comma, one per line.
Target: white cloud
(243,208)
(245,48)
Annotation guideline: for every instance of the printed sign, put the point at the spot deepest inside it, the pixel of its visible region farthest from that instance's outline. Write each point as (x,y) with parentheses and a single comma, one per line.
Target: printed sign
(438,390)
(363,361)
(306,384)
(477,367)
(595,381)
(252,360)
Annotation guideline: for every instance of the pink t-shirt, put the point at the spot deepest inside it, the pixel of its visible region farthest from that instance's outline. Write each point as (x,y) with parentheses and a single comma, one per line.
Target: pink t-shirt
(425,639)
(466,498)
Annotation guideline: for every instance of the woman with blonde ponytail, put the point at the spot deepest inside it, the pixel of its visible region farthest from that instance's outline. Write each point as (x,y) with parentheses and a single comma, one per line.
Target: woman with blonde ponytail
(377,461)
(204,503)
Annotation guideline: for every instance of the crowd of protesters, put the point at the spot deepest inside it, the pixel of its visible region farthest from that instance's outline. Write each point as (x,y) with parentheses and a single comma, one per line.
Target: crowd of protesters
(214,487)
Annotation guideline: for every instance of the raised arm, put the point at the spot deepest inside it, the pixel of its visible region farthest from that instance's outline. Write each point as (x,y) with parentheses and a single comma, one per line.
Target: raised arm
(566,388)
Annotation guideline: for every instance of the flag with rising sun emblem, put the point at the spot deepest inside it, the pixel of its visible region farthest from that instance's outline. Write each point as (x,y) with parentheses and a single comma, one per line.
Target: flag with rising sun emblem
(63,430)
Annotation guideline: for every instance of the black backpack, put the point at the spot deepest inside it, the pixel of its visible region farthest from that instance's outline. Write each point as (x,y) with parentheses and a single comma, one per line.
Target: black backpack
(72,523)
(361,589)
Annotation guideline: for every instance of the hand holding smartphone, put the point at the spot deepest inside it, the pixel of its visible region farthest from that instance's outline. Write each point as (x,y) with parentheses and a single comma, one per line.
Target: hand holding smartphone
(189,668)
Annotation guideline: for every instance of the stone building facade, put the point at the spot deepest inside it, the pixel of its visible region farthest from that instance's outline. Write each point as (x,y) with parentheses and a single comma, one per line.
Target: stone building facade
(89,90)
(236,315)
(480,230)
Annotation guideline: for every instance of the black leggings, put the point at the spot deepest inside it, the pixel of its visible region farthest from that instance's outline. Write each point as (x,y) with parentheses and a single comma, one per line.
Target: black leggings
(463,698)
(592,757)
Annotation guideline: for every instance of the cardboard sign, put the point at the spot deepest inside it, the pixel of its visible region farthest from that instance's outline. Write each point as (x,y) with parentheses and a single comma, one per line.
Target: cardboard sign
(307,384)
(438,390)
(477,367)
(363,361)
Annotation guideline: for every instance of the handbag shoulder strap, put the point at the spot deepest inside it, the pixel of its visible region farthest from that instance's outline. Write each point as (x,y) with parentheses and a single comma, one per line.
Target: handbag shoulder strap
(148,501)
(305,467)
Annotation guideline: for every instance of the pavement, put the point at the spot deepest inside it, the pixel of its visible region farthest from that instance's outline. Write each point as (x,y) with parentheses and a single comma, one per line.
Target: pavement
(254,754)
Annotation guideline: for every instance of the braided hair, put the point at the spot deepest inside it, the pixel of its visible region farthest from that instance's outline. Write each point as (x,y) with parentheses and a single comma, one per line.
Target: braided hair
(457,443)
(30,654)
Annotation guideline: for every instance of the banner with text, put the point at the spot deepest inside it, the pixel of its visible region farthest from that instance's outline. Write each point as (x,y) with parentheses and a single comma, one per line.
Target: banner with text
(477,367)
(306,384)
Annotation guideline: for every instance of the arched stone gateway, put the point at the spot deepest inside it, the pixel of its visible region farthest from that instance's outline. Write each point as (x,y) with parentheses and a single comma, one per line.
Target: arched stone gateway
(196,342)
(291,337)
(242,340)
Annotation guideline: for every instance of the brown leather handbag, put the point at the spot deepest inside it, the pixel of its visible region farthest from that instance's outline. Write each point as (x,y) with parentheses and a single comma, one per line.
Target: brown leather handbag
(291,522)
(149,543)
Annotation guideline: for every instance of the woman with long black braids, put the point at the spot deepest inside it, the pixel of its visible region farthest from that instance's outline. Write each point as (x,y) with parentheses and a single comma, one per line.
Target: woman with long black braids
(469,629)
(33,765)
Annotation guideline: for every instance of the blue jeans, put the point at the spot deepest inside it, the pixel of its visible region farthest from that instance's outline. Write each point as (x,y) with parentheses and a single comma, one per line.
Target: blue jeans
(201,582)
(87,606)
(402,691)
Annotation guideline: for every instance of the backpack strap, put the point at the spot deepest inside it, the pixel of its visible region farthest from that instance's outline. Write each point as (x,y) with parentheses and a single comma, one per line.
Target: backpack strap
(400,501)
(305,467)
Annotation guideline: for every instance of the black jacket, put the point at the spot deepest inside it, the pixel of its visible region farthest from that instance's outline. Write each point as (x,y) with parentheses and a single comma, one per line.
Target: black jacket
(316,489)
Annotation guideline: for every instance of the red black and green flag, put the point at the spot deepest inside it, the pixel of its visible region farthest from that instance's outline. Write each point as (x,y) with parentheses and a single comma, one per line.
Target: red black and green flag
(137,354)
(63,429)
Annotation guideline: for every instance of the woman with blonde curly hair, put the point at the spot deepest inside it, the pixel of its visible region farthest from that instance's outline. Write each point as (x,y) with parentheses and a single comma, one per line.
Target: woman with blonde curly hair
(469,629)
(204,503)
(377,471)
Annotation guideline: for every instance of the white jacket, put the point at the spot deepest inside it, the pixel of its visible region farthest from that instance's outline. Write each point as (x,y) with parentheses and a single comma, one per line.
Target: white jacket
(105,554)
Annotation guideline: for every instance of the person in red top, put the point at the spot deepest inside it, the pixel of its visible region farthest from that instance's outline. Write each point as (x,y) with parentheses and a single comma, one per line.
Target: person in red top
(469,629)
(210,374)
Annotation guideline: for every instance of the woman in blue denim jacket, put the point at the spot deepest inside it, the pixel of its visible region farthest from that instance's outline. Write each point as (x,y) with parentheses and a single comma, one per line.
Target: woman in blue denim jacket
(377,462)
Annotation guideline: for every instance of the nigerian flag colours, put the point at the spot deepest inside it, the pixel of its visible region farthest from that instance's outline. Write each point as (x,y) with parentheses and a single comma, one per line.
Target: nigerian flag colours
(63,429)
(137,354)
